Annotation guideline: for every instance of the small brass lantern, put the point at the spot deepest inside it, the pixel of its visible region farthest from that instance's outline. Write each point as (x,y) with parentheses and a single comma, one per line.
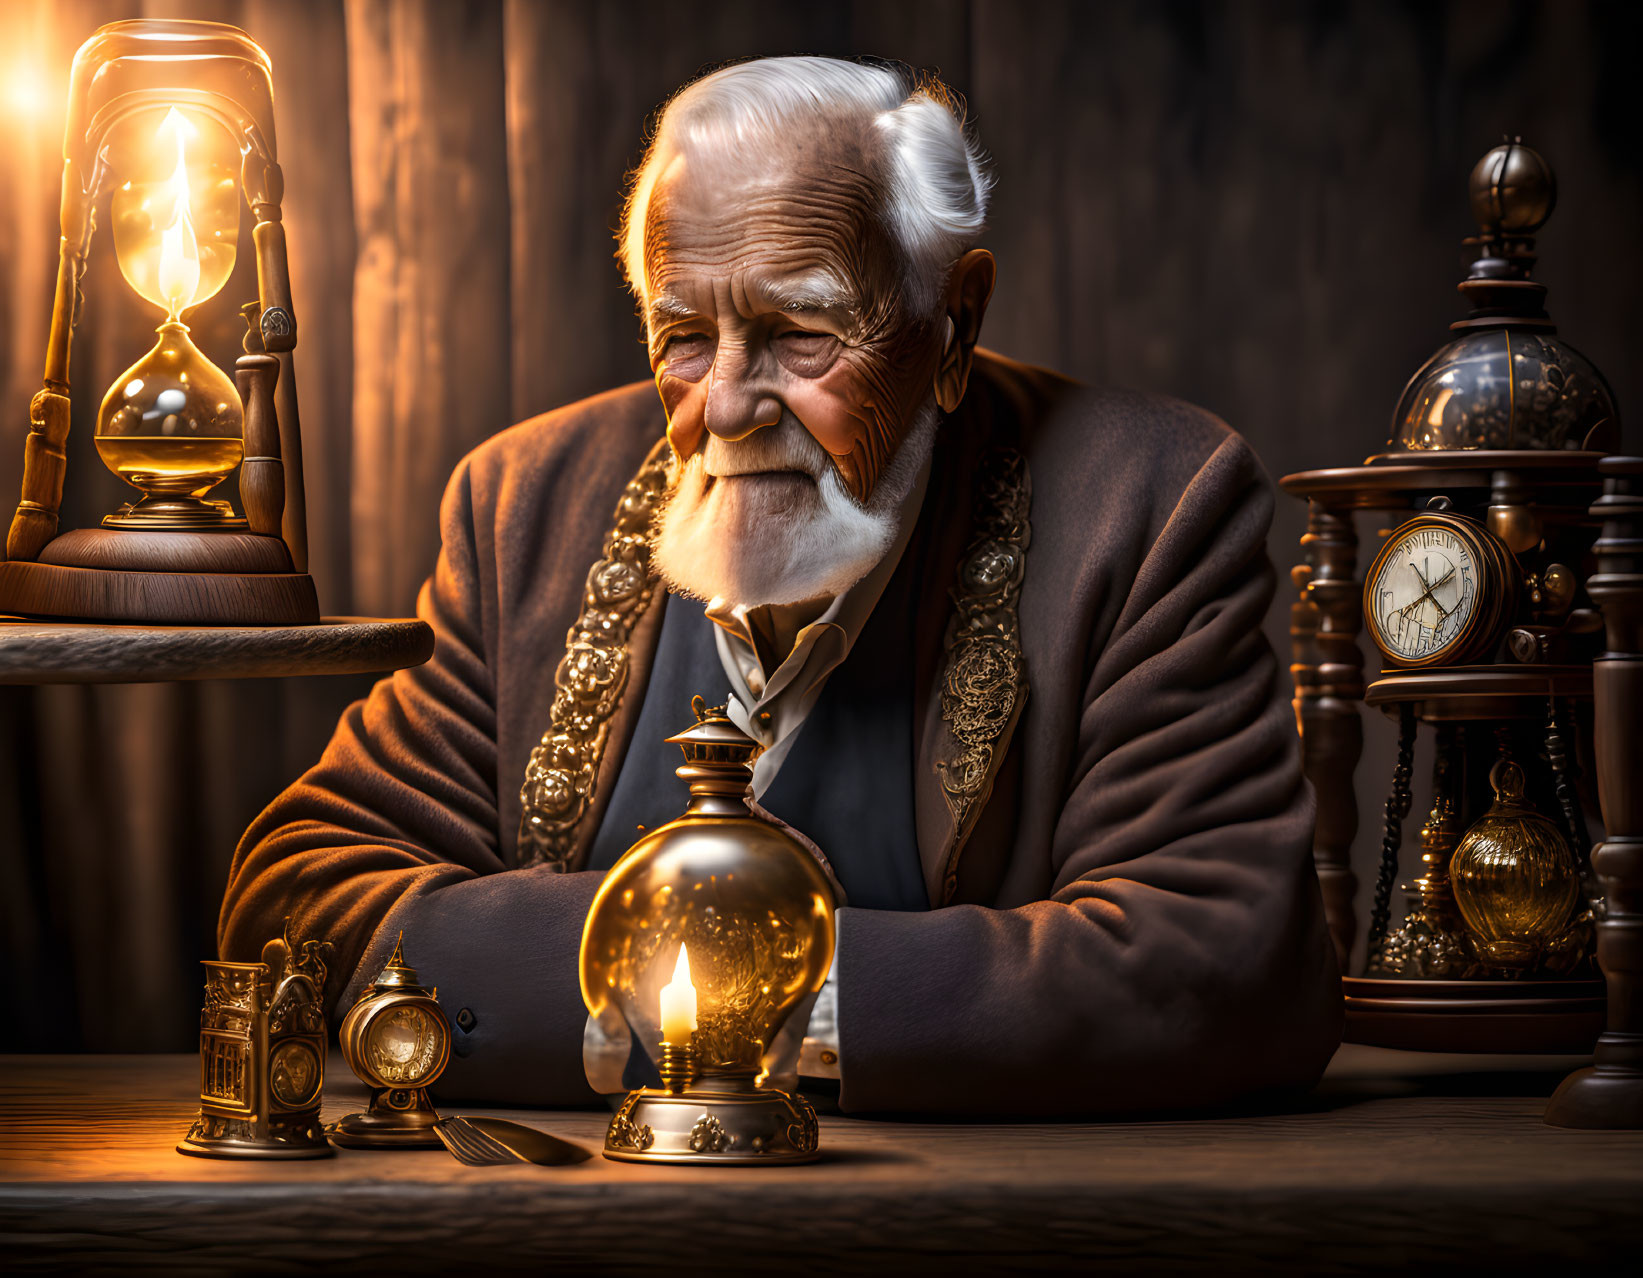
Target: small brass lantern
(706,935)
(262,1056)
(396,1040)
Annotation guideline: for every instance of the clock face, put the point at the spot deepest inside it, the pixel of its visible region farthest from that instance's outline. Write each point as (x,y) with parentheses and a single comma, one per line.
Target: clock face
(294,1074)
(1424,594)
(404,1046)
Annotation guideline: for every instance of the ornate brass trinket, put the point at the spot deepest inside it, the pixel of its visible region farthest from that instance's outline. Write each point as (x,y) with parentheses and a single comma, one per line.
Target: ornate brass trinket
(262,1056)
(1431,943)
(706,935)
(396,1040)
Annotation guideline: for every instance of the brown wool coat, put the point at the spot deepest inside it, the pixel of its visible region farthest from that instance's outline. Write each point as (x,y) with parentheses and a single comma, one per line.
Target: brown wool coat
(1135,923)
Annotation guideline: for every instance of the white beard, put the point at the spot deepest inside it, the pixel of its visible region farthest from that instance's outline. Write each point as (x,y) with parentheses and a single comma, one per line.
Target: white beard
(731,533)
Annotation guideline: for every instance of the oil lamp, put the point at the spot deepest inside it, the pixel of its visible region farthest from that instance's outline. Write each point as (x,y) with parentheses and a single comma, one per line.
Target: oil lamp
(706,935)
(170,123)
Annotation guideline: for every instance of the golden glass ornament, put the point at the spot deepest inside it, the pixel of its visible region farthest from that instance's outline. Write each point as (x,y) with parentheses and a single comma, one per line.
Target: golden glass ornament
(706,936)
(395,1038)
(1514,879)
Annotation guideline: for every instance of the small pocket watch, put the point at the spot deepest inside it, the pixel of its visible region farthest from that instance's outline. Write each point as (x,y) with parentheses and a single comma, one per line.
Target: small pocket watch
(1440,592)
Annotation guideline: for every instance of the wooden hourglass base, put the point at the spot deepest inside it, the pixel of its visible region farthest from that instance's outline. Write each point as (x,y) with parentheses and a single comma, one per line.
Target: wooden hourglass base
(182,578)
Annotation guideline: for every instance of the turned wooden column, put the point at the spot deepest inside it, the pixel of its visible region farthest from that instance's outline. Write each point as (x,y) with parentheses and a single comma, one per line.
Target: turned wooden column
(1610,1092)
(1328,675)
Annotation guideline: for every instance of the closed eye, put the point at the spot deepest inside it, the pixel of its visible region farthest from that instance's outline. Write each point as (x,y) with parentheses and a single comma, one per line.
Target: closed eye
(687,355)
(805,352)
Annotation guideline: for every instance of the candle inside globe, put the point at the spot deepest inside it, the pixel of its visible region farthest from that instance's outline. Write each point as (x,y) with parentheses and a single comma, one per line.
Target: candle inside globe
(679,1003)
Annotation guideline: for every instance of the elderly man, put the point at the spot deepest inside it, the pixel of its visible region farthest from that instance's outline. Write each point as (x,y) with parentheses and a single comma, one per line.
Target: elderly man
(998,634)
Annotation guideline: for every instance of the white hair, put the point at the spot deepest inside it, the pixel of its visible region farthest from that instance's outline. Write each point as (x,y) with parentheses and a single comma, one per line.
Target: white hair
(933,176)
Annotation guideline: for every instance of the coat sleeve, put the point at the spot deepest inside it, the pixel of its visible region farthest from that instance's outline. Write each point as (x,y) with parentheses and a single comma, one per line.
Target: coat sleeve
(396,828)
(1182,958)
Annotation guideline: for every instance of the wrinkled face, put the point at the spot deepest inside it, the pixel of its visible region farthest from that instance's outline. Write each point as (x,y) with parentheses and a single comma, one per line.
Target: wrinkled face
(775,294)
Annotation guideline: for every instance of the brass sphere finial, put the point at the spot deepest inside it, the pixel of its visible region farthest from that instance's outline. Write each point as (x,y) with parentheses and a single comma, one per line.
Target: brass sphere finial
(1513,190)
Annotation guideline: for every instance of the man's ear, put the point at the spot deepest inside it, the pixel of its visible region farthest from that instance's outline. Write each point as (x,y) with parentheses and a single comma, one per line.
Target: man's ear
(968,292)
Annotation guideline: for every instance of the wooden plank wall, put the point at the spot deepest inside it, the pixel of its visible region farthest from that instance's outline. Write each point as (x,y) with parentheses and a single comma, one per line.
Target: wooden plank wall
(1256,206)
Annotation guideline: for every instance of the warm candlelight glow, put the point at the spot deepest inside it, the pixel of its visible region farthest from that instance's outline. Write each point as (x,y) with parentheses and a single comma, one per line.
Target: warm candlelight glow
(179,276)
(679,1004)
(25,91)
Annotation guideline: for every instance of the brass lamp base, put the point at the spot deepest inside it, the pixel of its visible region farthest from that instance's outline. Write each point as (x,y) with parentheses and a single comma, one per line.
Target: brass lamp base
(719,1119)
(398,1118)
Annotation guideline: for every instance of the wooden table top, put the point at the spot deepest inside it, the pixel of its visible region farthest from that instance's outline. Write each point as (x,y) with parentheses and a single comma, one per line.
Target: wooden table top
(1396,1160)
(36,652)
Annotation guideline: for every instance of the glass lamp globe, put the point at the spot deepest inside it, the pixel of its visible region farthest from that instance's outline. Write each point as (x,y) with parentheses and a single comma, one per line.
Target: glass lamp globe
(706,935)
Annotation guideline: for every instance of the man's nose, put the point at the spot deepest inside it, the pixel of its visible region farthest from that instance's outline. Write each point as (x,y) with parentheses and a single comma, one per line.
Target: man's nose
(739,399)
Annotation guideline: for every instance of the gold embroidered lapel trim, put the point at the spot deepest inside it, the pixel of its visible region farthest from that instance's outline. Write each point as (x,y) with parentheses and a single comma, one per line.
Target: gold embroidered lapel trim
(984,683)
(563,768)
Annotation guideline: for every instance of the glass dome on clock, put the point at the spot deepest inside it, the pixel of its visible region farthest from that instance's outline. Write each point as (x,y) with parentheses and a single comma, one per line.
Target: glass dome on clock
(1507,380)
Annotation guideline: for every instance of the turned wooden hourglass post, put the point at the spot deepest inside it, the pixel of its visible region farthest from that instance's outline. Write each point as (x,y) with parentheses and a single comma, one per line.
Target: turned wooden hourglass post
(277,327)
(45,458)
(1610,1092)
(1328,675)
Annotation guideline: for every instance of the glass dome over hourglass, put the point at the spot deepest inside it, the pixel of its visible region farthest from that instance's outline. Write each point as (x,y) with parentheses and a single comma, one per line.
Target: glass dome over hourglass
(172,425)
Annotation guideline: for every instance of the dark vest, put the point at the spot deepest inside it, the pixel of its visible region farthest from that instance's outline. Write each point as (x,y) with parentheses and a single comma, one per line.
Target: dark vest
(847,781)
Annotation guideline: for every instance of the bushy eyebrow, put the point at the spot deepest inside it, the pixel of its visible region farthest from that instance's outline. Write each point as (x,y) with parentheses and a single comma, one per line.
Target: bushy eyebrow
(813,291)
(664,306)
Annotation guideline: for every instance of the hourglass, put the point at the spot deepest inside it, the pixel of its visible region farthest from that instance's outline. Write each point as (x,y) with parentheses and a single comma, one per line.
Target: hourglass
(170,123)
(172,425)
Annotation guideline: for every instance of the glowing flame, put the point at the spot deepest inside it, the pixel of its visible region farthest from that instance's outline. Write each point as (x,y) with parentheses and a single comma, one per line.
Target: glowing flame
(179,277)
(679,1004)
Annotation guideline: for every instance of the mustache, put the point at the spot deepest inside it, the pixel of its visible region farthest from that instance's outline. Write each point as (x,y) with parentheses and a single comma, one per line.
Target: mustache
(784,446)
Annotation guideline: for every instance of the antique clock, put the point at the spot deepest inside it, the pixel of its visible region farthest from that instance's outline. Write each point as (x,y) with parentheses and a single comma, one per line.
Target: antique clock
(396,1039)
(1506,605)
(1439,591)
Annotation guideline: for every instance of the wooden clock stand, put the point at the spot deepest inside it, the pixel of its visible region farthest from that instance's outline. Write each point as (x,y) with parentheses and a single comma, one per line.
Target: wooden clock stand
(1508,607)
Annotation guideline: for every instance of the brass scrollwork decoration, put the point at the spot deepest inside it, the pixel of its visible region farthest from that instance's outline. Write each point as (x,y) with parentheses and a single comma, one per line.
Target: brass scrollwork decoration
(625,1133)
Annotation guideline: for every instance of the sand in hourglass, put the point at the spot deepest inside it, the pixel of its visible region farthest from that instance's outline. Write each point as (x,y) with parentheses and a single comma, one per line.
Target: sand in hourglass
(171,464)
